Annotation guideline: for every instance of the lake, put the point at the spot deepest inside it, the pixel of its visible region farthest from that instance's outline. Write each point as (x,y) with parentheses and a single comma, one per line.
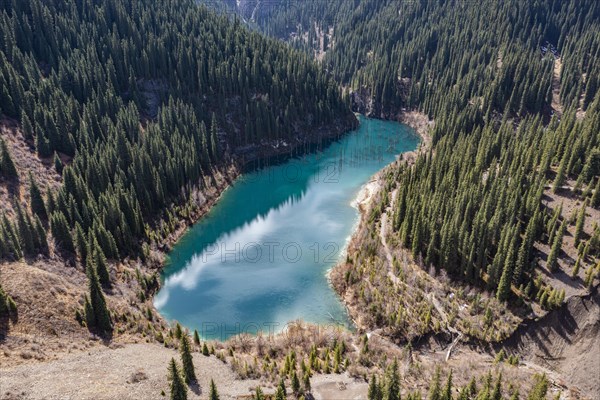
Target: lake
(259,259)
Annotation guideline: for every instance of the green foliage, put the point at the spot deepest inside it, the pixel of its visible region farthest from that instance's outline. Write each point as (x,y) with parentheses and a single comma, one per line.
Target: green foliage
(374,392)
(61,232)
(193,69)
(281,391)
(7,166)
(7,304)
(38,207)
(178,388)
(579,224)
(391,389)
(186,360)
(213,394)
(539,390)
(295,382)
(258,395)
(96,311)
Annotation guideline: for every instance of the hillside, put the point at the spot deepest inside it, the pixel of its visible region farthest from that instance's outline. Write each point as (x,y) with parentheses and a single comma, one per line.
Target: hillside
(121,123)
(474,270)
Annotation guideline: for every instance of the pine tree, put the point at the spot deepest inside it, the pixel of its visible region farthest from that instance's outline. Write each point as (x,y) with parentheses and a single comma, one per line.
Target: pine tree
(576,267)
(99,261)
(435,391)
(306,382)
(447,395)
(391,390)
(213,394)
(595,202)
(280,394)
(552,263)
(38,207)
(96,303)
(539,390)
(61,232)
(258,395)
(58,165)
(374,392)
(579,225)
(7,166)
(281,388)
(196,337)
(295,383)
(497,392)
(507,274)
(187,361)
(178,388)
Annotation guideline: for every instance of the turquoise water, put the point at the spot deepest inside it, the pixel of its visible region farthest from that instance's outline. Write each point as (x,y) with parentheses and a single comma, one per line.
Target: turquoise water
(259,259)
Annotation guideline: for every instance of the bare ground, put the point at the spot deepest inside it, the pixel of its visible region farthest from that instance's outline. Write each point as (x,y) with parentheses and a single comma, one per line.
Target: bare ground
(566,341)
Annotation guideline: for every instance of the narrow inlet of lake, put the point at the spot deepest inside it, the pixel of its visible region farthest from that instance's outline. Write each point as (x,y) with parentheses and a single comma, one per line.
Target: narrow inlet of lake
(259,259)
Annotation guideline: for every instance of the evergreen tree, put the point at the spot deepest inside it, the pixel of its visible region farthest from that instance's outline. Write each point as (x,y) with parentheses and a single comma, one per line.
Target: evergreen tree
(552,263)
(391,390)
(178,388)
(435,390)
(213,394)
(38,207)
(187,360)
(7,166)
(579,224)
(101,265)
(61,232)
(58,165)
(595,202)
(447,395)
(539,390)
(258,395)
(97,314)
(281,388)
(295,382)
(374,392)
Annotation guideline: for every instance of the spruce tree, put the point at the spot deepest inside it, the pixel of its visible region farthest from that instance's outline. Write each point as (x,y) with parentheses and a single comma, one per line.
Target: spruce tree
(61,232)
(435,391)
(391,390)
(7,166)
(306,382)
(187,361)
(100,318)
(552,263)
(58,165)
(101,265)
(374,392)
(258,395)
(579,224)
(38,207)
(213,393)
(295,382)
(447,395)
(178,388)
(281,387)
(595,202)
(196,337)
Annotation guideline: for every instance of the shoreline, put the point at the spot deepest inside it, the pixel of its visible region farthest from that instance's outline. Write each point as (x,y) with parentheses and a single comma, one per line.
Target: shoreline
(422,125)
